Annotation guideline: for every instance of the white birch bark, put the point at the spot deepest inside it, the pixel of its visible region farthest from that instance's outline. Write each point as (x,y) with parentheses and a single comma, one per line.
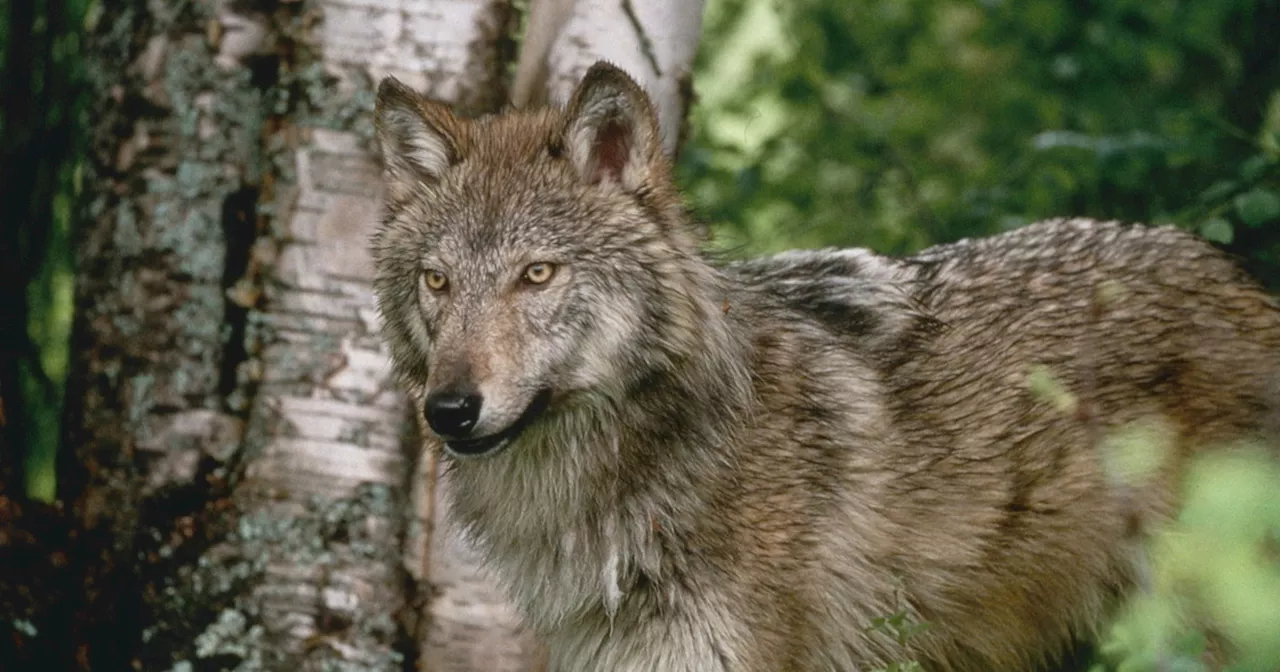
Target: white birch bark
(655,41)
(329,422)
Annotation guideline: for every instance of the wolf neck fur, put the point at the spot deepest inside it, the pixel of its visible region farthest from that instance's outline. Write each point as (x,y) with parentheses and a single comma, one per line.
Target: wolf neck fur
(563,525)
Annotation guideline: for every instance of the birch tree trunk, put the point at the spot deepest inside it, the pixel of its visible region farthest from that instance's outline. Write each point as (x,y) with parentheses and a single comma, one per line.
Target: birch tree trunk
(170,184)
(238,461)
(332,430)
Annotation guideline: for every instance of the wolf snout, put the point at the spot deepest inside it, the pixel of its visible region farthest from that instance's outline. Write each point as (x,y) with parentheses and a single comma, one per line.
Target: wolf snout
(452,412)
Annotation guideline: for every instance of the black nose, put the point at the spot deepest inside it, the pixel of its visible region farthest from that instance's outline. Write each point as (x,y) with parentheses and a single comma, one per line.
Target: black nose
(452,413)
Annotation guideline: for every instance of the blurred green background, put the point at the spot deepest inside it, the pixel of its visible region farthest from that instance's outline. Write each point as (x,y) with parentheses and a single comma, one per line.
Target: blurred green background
(890,124)
(896,124)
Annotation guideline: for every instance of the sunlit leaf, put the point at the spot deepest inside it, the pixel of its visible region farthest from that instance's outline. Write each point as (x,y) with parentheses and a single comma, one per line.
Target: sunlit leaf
(1258,206)
(1217,230)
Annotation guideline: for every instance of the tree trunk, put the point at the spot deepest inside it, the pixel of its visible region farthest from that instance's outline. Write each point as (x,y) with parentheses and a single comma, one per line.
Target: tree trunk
(327,421)
(237,468)
(170,185)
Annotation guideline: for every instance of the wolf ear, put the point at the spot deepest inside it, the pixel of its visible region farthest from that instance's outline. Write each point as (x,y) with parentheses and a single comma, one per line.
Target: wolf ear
(611,130)
(419,137)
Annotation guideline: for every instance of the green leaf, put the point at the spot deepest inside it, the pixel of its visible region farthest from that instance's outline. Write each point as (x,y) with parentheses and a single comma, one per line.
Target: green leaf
(1257,207)
(1133,454)
(1256,167)
(1217,230)
(1218,191)
(1046,387)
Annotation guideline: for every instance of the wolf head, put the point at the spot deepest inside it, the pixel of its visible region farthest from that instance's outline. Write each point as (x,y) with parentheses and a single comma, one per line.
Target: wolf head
(531,258)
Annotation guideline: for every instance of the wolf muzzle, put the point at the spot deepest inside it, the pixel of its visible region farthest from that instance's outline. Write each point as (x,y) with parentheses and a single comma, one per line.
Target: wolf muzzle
(452,414)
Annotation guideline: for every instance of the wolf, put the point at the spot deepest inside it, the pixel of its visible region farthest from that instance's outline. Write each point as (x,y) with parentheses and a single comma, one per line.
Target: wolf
(671,462)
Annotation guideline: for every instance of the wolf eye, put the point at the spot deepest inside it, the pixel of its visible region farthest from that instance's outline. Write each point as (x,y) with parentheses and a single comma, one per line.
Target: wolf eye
(436,281)
(539,273)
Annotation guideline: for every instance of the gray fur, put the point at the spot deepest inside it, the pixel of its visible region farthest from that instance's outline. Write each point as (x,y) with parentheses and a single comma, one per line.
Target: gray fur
(743,465)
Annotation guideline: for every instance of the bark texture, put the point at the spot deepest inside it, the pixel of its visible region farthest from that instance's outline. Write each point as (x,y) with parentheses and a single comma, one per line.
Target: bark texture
(171,179)
(331,434)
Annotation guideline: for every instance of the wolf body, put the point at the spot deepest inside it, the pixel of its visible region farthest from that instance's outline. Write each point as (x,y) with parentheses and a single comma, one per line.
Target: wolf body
(675,464)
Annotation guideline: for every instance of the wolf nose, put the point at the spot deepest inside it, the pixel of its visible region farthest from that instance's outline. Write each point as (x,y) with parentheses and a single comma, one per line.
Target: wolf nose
(451,413)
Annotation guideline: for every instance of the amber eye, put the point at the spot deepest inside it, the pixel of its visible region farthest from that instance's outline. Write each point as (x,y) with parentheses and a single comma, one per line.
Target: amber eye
(436,281)
(539,273)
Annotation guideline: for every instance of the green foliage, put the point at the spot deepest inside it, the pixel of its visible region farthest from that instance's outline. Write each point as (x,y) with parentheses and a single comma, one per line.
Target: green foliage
(902,629)
(895,125)
(1132,456)
(1044,386)
(1215,570)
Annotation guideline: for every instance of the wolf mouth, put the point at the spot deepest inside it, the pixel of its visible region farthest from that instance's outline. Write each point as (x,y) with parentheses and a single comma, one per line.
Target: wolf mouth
(488,445)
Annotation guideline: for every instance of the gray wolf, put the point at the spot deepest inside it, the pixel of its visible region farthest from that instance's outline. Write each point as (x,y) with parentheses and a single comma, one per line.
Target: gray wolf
(672,463)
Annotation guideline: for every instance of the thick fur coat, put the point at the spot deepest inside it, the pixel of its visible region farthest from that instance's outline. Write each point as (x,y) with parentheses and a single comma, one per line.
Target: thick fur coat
(674,464)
